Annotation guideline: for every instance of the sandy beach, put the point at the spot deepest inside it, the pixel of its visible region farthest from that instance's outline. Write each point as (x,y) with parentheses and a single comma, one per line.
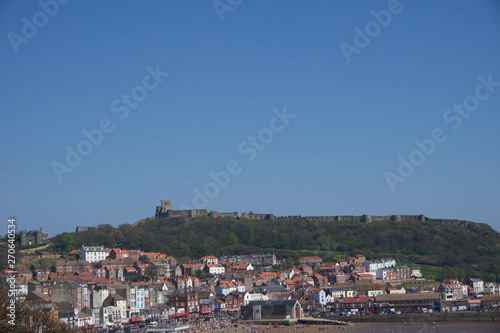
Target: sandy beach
(425,327)
(469,327)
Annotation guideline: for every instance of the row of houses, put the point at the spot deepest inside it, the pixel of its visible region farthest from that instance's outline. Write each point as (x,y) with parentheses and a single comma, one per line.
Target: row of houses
(129,284)
(404,302)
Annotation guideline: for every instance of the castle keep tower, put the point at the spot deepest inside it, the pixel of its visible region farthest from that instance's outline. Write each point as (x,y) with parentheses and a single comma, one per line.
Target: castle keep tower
(163,209)
(33,237)
(366,218)
(165,206)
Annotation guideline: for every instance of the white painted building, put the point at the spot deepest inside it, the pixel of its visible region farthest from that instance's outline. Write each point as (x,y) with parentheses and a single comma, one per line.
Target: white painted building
(114,310)
(83,319)
(477,285)
(248,297)
(491,288)
(415,272)
(20,291)
(319,297)
(215,269)
(396,291)
(388,262)
(373,293)
(372,265)
(209,260)
(240,287)
(93,253)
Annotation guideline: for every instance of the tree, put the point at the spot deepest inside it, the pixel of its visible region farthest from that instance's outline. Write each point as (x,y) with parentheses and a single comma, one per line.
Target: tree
(201,274)
(153,270)
(185,250)
(208,245)
(27,318)
(231,239)
(285,241)
(66,242)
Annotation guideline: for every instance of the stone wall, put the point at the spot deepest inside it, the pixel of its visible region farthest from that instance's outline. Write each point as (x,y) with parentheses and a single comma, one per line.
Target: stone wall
(217,214)
(458,316)
(450,222)
(181,213)
(253,216)
(368,218)
(165,211)
(35,249)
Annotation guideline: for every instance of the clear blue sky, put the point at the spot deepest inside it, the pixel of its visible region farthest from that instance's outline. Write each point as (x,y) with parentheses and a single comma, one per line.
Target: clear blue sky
(356,111)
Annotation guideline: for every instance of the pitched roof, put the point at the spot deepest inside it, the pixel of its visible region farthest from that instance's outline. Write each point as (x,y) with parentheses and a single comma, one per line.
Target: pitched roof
(41,296)
(208,257)
(226,285)
(270,303)
(358,299)
(310,258)
(405,297)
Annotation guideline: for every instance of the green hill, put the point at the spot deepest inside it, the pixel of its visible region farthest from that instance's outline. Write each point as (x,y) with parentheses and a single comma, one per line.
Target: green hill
(442,250)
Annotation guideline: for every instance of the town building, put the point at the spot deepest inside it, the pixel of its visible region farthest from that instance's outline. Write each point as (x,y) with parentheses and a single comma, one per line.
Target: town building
(393,273)
(272,309)
(185,303)
(33,237)
(415,301)
(312,261)
(93,253)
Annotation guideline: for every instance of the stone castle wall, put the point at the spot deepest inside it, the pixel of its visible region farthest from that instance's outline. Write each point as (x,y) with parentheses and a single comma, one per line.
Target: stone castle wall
(253,216)
(165,211)
(217,214)
(393,218)
(463,223)
(368,218)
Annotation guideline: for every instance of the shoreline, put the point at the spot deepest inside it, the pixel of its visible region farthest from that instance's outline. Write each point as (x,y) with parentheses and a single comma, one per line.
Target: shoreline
(469,327)
(383,327)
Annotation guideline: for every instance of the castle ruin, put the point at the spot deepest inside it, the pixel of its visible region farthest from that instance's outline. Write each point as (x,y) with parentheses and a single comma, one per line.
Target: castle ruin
(33,237)
(165,211)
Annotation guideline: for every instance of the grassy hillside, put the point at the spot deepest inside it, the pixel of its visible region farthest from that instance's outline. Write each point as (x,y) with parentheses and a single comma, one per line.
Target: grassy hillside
(442,250)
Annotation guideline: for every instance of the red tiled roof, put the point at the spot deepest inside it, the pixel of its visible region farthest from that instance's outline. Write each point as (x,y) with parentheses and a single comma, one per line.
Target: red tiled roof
(310,258)
(359,299)
(208,257)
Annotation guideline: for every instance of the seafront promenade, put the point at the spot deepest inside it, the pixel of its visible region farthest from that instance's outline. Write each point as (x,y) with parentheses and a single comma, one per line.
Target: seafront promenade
(459,316)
